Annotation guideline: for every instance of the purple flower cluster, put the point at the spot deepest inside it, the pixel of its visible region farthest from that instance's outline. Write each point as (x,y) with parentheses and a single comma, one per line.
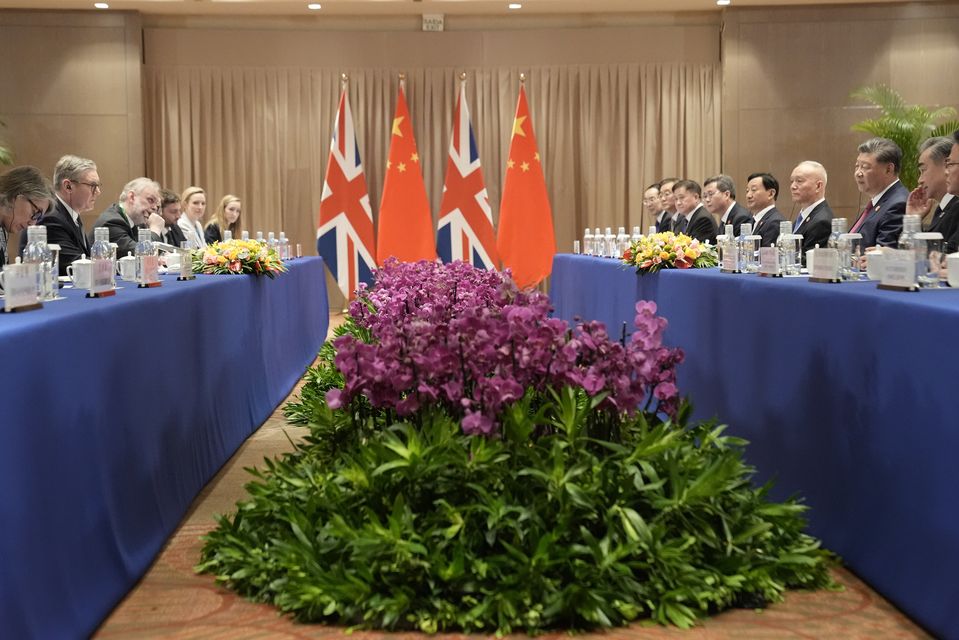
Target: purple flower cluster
(470,341)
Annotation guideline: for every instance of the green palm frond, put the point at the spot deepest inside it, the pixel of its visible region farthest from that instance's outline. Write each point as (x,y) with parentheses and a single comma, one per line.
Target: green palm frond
(906,125)
(946,128)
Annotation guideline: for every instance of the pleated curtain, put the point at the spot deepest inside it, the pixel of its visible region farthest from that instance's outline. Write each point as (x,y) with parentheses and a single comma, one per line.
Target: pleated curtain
(604,133)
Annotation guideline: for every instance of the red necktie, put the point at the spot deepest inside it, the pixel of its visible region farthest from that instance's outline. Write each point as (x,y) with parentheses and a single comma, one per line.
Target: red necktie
(862,218)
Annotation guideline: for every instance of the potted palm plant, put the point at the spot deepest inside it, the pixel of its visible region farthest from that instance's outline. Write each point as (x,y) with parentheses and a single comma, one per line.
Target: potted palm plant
(906,125)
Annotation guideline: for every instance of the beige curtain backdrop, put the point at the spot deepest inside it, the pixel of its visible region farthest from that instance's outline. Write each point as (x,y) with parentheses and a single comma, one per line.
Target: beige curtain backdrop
(604,133)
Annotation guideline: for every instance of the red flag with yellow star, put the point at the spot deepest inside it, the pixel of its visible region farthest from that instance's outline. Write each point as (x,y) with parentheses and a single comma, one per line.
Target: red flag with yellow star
(406,227)
(525,240)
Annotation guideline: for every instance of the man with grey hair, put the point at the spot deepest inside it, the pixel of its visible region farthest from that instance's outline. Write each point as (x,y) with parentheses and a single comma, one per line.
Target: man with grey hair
(877,177)
(137,205)
(77,185)
(807,184)
(932,196)
(719,196)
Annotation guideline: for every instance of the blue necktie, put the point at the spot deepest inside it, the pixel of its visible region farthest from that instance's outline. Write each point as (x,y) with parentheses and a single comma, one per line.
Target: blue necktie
(799,220)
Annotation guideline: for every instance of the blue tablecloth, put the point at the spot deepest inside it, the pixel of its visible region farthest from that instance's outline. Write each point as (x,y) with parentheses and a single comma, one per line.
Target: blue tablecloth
(115,414)
(846,393)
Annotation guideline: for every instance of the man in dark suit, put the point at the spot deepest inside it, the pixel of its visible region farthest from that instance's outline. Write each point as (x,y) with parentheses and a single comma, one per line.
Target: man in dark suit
(170,212)
(807,184)
(932,196)
(692,218)
(137,205)
(952,187)
(77,185)
(719,197)
(762,191)
(669,205)
(653,205)
(877,177)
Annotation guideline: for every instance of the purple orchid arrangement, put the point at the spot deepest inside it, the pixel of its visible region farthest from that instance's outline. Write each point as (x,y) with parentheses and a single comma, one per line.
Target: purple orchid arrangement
(470,341)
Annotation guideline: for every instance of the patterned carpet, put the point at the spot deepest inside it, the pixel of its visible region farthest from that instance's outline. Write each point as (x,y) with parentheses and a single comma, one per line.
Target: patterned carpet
(173,602)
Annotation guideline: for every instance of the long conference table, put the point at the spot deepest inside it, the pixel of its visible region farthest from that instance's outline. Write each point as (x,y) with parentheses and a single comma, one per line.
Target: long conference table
(848,395)
(116,412)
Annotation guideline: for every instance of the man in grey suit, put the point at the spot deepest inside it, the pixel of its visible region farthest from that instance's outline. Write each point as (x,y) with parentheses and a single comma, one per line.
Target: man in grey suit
(762,191)
(807,184)
(692,218)
(137,205)
(719,196)
(877,177)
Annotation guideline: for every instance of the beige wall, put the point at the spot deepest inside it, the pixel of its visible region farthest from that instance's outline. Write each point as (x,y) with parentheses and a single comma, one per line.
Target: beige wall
(788,73)
(70,83)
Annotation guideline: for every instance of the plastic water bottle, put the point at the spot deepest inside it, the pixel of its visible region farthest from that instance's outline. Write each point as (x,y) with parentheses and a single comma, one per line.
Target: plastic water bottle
(284,247)
(244,235)
(144,249)
(609,247)
(622,242)
(259,236)
(38,253)
(227,235)
(101,250)
(838,228)
(907,241)
(743,247)
(637,234)
(588,242)
(785,248)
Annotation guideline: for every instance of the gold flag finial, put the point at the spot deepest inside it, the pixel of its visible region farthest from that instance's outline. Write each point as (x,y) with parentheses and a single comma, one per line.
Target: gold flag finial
(463,76)
(402,76)
(522,78)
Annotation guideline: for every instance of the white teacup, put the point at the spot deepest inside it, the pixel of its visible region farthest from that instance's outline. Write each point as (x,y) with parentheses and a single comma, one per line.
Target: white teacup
(81,272)
(874,264)
(127,268)
(952,264)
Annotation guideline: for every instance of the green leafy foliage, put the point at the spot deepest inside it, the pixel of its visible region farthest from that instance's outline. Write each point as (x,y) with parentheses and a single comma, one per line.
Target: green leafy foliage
(419,526)
(906,125)
(6,153)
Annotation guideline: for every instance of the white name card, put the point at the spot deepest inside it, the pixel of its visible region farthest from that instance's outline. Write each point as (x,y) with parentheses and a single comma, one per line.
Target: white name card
(769,261)
(899,268)
(186,263)
(102,275)
(150,269)
(19,286)
(825,264)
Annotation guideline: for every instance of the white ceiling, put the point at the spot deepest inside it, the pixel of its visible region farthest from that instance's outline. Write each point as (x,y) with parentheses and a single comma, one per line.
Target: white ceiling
(401,7)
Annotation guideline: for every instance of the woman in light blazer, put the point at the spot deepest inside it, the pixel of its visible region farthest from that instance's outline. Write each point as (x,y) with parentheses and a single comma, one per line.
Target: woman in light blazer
(193,202)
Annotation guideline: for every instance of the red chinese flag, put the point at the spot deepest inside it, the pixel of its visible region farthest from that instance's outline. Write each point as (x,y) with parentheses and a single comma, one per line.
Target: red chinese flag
(525,239)
(406,227)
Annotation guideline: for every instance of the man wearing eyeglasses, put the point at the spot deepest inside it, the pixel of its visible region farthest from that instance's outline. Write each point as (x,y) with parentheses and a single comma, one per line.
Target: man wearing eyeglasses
(138,204)
(719,197)
(77,185)
(952,185)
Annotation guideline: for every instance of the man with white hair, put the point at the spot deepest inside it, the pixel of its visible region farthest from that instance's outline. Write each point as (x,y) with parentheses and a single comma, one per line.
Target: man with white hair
(137,205)
(807,184)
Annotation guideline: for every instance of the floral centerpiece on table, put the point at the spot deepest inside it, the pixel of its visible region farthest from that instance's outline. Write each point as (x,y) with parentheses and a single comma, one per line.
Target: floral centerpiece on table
(668,250)
(238,256)
(474,464)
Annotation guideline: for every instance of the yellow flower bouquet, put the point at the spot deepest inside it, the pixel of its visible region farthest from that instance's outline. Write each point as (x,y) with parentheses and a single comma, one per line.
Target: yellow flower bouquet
(238,256)
(668,250)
